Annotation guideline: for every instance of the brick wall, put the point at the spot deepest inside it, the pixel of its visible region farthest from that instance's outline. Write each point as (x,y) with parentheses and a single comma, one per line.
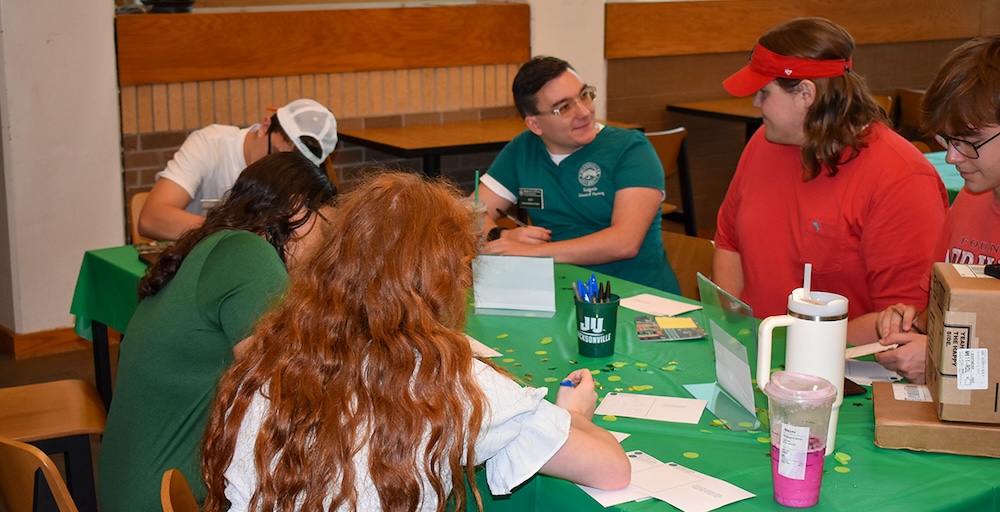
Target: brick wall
(157,118)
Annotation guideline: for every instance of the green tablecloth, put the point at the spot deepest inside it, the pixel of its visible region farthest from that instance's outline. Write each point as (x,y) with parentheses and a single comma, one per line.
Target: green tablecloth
(540,351)
(106,289)
(953,181)
(878,479)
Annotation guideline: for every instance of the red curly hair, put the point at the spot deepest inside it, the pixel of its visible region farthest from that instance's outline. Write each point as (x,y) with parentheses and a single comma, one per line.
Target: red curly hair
(366,350)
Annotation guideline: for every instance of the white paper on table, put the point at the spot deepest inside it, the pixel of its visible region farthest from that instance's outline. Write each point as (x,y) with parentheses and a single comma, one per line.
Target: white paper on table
(866,372)
(687,489)
(480,350)
(867,350)
(649,407)
(639,462)
(657,306)
(619,436)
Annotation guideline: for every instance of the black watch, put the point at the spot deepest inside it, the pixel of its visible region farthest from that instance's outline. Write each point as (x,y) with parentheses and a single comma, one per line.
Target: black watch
(494,234)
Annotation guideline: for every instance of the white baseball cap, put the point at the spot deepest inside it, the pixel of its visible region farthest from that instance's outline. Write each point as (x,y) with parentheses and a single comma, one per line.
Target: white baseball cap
(308,117)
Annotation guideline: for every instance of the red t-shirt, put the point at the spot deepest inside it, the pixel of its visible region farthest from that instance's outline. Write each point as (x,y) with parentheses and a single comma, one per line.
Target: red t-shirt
(869,231)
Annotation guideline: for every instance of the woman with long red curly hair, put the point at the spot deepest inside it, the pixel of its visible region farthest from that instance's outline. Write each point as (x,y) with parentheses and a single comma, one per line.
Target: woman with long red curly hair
(360,391)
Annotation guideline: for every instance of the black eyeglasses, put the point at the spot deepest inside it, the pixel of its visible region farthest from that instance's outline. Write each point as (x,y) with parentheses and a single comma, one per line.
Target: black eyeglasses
(964,147)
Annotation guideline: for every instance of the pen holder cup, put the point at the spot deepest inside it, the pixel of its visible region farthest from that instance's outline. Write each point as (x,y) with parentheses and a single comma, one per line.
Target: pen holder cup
(597,324)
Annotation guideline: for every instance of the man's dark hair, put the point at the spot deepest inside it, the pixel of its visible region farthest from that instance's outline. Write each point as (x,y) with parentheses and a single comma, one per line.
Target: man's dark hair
(532,76)
(310,143)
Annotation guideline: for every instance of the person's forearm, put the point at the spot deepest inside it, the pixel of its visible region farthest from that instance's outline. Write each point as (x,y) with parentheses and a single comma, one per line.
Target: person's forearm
(591,456)
(861,330)
(727,271)
(167,223)
(607,245)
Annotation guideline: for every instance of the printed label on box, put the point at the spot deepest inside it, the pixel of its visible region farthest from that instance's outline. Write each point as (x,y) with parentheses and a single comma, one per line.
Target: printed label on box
(973,368)
(911,393)
(957,333)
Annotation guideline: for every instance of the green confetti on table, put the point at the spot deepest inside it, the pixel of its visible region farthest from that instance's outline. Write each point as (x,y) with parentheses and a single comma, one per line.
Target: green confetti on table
(746,424)
(502,336)
(744,332)
(619,364)
(642,387)
(540,352)
(619,389)
(668,368)
(716,423)
(517,364)
(614,378)
(546,340)
(510,351)
(595,372)
(763,439)
(641,365)
(551,379)
(842,469)
(507,360)
(690,455)
(610,417)
(842,457)
(706,431)
(545,359)
(672,362)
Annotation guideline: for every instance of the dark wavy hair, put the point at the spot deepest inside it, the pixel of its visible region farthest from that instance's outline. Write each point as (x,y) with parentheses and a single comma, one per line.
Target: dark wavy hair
(965,94)
(530,79)
(272,197)
(837,122)
(355,357)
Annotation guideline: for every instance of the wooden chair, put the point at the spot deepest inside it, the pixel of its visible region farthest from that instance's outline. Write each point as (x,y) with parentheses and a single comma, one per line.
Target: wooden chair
(671,147)
(908,101)
(134,207)
(922,146)
(29,481)
(175,493)
(58,417)
(885,101)
(689,255)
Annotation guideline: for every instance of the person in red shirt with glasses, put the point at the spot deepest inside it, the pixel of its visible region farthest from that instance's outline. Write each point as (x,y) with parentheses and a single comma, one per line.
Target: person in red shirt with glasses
(962,109)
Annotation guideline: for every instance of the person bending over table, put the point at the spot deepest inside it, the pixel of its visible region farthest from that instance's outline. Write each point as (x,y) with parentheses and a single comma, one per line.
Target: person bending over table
(593,191)
(210,160)
(198,301)
(824,181)
(962,109)
(360,392)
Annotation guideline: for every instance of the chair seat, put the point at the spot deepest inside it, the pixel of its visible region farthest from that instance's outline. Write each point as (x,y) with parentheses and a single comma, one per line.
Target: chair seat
(49,410)
(668,207)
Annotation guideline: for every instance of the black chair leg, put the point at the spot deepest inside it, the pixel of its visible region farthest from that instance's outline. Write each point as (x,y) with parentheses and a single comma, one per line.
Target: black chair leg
(79,468)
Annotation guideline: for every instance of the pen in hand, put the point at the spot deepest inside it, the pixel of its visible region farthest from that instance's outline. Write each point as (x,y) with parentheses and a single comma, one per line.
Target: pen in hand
(512,218)
(567,384)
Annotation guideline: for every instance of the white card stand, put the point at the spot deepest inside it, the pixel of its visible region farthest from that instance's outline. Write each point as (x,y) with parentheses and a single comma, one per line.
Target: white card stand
(514,286)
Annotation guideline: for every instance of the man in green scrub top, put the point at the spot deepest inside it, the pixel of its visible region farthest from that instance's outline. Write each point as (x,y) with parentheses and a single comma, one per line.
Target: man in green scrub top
(593,192)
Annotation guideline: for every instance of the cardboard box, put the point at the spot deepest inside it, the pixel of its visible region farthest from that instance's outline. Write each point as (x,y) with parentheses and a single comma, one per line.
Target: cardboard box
(963,343)
(914,425)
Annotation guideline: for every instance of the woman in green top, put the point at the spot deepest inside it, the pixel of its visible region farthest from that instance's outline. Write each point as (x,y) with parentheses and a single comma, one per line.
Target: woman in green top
(198,302)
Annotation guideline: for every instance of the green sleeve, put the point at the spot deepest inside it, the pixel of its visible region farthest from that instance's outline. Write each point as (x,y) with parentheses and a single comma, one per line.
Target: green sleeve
(241,279)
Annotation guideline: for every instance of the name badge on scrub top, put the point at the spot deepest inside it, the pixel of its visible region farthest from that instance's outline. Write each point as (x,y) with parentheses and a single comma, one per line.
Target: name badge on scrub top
(531,198)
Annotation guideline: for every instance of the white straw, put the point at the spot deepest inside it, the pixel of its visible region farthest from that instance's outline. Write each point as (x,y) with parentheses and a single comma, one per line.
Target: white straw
(806,281)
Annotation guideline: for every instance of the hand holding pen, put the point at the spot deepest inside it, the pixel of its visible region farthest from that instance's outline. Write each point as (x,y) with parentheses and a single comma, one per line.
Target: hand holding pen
(577,393)
(524,234)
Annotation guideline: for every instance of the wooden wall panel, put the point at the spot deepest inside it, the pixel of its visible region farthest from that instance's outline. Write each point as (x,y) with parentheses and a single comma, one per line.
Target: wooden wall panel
(212,46)
(649,29)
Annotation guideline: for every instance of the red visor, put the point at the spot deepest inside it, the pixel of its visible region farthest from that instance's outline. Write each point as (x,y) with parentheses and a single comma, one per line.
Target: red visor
(766,65)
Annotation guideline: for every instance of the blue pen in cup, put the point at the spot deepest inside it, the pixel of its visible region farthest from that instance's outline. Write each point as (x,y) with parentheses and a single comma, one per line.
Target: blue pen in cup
(567,384)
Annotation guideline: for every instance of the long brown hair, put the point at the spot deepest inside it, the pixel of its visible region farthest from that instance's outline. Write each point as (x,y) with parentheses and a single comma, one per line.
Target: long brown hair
(836,123)
(272,198)
(367,351)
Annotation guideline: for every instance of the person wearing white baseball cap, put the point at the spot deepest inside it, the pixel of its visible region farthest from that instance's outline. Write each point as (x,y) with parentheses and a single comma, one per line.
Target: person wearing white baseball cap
(208,163)
(824,181)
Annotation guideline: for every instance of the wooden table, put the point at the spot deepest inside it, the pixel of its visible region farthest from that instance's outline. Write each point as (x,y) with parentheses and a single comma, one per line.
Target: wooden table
(431,141)
(730,109)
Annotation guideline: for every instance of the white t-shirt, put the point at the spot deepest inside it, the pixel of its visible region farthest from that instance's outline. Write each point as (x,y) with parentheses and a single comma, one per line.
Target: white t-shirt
(520,434)
(208,163)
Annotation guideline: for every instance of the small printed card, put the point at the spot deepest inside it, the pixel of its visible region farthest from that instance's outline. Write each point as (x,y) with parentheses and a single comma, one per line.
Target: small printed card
(651,407)
(666,328)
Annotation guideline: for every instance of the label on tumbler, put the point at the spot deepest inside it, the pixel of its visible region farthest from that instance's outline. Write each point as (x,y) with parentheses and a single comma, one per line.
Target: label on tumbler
(794,448)
(592,331)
